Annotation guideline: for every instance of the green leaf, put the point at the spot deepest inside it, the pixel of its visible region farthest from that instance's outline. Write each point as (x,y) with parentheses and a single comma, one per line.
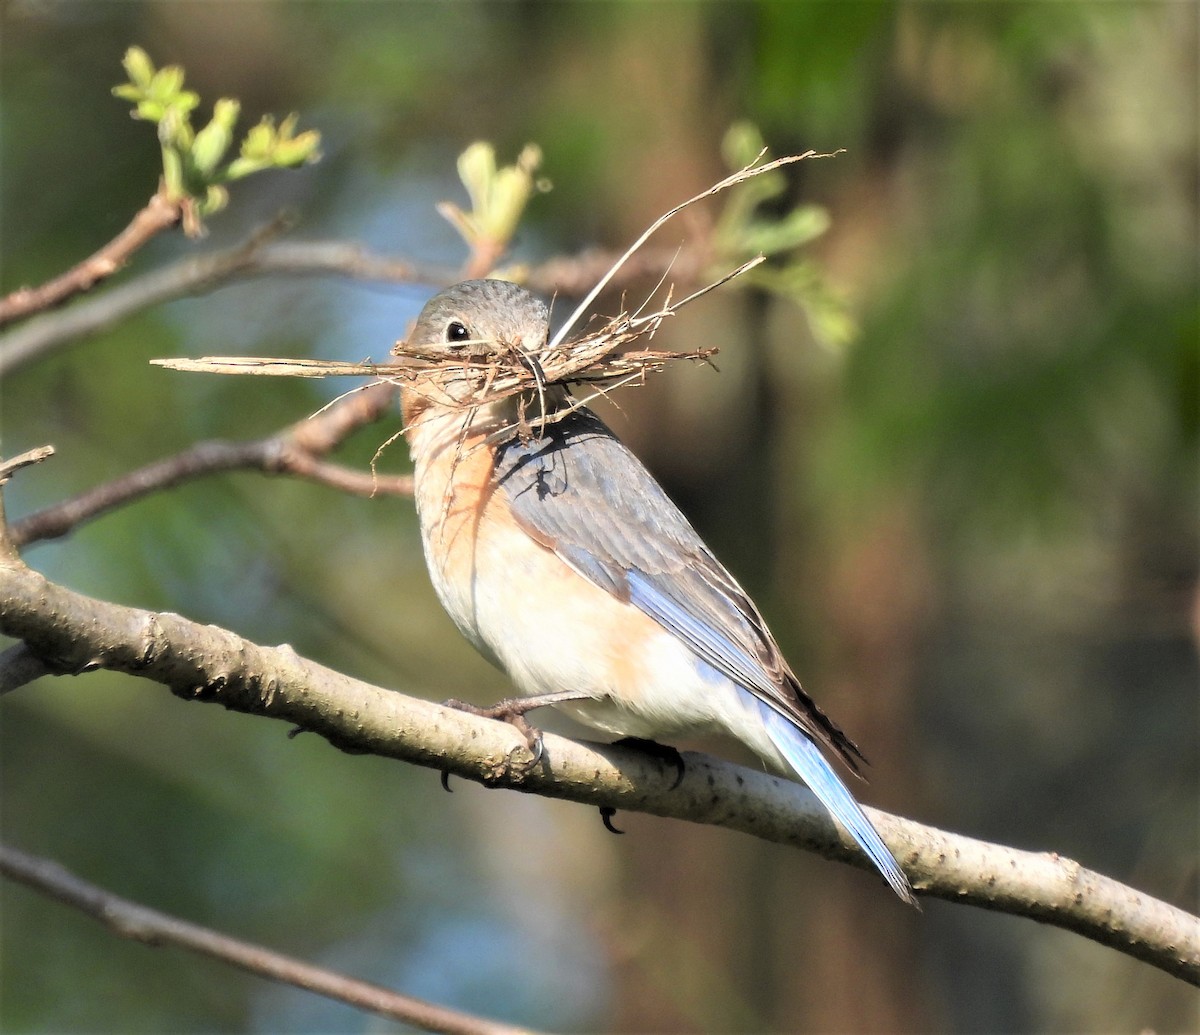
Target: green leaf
(498,196)
(477,170)
(214,139)
(289,149)
(167,83)
(192,171)
(796,229)
(804,283)
(138,66)
(215,199)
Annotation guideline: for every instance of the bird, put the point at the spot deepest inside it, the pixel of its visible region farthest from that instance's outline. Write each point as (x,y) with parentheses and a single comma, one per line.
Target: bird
(564,562)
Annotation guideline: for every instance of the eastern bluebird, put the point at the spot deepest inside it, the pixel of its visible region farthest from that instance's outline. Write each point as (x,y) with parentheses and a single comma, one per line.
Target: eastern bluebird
(563,561)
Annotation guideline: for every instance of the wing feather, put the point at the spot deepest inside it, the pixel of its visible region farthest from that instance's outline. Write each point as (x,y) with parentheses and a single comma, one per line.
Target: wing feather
(579,491)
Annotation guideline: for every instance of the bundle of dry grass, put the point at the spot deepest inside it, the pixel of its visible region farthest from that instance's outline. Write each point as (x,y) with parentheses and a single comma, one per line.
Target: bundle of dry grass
(598,360)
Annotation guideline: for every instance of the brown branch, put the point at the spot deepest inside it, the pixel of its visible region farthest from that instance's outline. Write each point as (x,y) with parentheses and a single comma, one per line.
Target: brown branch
(157,215)
(142,924)
(483,259)
(575,275)
(8,545)
(571,276)
(297,450)
(71,633)
(200,274)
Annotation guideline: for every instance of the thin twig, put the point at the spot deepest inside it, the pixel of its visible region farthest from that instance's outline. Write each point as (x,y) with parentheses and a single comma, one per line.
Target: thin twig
(745,173)
(157,215)
(200,274)
(31,456)
(151,927)
(496,370)
(566,275)
(297,450)
(8,544)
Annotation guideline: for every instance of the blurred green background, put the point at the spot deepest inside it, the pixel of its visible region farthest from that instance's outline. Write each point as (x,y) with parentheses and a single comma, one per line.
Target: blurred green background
(972,527)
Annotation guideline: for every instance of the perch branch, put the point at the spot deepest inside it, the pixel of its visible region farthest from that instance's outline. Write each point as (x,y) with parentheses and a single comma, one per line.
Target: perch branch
(72,633)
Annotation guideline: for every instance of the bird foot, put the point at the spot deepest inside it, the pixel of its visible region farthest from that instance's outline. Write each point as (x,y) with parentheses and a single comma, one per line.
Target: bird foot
(511,710)
(606,817)
(662,752)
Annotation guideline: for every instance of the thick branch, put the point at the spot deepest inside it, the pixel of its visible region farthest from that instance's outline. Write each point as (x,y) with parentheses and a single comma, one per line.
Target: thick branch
(297,450)
(158,214)
(142,924)
(71,633)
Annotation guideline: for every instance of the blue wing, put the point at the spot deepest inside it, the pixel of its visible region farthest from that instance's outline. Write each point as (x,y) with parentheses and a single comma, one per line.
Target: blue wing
(577,490)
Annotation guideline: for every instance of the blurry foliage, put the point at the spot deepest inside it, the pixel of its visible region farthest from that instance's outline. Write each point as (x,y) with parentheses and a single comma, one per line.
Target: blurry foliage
(1011,238)
(742,233)
(1027,348)
(499,195)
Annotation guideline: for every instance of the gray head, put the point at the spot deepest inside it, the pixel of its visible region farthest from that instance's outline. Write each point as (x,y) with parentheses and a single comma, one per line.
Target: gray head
(495,312)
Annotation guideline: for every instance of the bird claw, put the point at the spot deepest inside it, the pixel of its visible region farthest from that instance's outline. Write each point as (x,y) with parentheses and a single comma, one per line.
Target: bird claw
(656,750)
(606,816)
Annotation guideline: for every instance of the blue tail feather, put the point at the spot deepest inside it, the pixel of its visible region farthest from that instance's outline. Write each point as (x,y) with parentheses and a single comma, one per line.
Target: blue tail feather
(814,769)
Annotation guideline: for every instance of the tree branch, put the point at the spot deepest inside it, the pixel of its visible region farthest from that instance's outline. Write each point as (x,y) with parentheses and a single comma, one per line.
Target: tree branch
(569,275)
(8,546)
(197,275)
(575,275)
(140,923)
(296,450)
(73,633)
(156,215)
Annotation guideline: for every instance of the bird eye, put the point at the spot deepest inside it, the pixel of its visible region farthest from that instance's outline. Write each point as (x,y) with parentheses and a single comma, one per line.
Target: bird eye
(457,331)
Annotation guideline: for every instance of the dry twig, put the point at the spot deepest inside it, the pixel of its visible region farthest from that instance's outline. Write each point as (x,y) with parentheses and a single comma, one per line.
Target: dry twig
(157,215)
(297,450)
(140,923)
(494,371)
